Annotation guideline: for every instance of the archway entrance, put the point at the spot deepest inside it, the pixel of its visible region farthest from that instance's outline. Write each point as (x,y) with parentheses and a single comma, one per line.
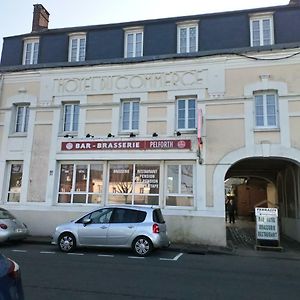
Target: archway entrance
(261,182)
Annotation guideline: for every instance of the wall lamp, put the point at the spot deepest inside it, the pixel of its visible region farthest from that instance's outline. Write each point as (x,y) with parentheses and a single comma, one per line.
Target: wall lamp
(68,136)
(178,133)
(89,136)
(132,134)
(154,134)
(110,135)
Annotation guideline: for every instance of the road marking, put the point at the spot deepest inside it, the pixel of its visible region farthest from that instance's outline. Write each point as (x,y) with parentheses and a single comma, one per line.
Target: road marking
(105,255)
(47,252)
(172,259)
(78,254)
(136,257)
(22,251)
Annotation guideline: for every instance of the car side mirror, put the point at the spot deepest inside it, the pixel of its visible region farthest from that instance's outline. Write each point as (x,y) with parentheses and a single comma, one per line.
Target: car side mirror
(86,221)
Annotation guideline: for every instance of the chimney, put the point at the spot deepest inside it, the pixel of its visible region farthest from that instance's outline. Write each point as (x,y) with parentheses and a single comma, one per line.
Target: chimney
(294,2)
(40,18)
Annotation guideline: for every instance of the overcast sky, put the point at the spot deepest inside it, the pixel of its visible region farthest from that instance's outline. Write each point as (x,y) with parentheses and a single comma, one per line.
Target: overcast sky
(16,15)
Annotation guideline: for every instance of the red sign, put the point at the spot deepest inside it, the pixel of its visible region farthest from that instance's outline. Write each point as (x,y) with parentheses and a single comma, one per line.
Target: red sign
(125,145)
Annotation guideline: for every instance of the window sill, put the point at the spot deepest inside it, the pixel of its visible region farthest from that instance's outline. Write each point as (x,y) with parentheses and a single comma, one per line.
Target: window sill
(268,129)
(18,135)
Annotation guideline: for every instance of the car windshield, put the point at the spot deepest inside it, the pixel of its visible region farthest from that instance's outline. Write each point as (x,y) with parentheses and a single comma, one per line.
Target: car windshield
(4,214)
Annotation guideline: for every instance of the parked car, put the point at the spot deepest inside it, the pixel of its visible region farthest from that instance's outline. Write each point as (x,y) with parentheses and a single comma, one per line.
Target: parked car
(136,227)
(11,228)
(10,280)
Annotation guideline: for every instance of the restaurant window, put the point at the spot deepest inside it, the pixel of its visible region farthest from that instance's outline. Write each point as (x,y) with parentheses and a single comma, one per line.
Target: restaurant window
(81,183)
(15,182)
(134,184)
(180,190)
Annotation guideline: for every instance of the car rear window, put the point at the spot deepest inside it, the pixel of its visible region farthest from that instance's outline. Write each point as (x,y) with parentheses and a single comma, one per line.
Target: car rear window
(158,217)
(121,215)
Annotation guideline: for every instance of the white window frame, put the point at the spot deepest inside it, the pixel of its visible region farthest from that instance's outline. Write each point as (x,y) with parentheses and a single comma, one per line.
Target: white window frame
(77,37)
(265,113)
(24,118)
(261,18)
(186,117)
(179,194)
(131,102)
(187,26)
(133,31)
(31,57)
(72,124)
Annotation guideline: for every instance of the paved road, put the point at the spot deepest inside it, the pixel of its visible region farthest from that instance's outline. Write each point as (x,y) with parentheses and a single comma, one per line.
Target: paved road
(166,275)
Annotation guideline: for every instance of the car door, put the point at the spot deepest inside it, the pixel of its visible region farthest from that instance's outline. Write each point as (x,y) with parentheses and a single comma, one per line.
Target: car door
(93,228)
(122,227)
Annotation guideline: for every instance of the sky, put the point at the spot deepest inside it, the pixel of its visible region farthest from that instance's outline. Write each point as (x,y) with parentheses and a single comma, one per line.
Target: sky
(16,15)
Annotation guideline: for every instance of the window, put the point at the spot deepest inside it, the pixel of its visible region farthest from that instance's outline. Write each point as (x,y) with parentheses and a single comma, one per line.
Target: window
(15,182)
(133,184)
(77,44)
(134,42)
(187,38)
(122,215)
(31,51)
(22,116)
(130,115)
(262,32)
(71,117)
(266,115)
(81,183)
(180,185)
(186,113)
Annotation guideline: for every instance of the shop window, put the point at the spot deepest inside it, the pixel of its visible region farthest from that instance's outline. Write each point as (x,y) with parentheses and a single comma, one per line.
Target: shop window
(70,117)
(266,114)
(180,185)
(186,114)
(15,182)
(187,37)
(134,184)
(22,117)
(130,115)
(81,183)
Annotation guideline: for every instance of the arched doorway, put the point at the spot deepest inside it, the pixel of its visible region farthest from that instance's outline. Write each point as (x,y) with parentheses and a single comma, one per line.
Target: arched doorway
(262,182)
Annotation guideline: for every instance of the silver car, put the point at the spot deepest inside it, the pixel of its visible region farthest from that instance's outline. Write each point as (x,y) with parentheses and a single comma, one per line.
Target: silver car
(136,227)
(11,228)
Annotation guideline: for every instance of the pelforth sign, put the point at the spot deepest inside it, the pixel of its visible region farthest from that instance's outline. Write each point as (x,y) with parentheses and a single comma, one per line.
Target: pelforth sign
(125,145)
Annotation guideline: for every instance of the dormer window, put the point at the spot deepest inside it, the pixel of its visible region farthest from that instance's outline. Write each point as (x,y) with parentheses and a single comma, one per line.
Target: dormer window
(77,46)
(133,42)
(261,30)
(187,37)
(31,51)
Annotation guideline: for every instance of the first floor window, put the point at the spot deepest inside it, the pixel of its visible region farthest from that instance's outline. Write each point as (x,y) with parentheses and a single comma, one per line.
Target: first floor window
(130,115)
(180,185)
(31,52)
(186,113)
(71,117)
(22,116)
(266,110)
(15,182)
(80,183)
(134,184)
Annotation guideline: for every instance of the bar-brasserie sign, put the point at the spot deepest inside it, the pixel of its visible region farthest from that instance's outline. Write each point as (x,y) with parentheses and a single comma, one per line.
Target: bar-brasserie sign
(126,145)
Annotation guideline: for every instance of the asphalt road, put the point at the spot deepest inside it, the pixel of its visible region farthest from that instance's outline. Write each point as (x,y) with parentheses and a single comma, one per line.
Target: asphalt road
(117,275)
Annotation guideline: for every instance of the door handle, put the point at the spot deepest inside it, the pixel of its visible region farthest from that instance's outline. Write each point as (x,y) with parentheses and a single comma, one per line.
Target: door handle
(130,226)
(103,227)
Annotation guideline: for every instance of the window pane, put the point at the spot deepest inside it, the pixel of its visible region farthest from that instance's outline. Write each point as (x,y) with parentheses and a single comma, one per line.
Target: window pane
(96,179)
(181,114)
(192,39)
(74,43)
(186,179)
(259,110)
(79,198)
(191,114)
(271,110)
(35,53)
(28,53)
(146,179)
(75,117)
(138,47)
(135,115)
(66,178)
(15,183)
(81,178)
(256,33)
(179,201)
(130,47)
(67,117)
(82,49)
(173,179)
(183,40)
(266,32)
(126,116)
(20,118)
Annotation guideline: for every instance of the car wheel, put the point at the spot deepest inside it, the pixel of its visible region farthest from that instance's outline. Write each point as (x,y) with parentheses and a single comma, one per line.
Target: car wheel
(66,242)
(142,246)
